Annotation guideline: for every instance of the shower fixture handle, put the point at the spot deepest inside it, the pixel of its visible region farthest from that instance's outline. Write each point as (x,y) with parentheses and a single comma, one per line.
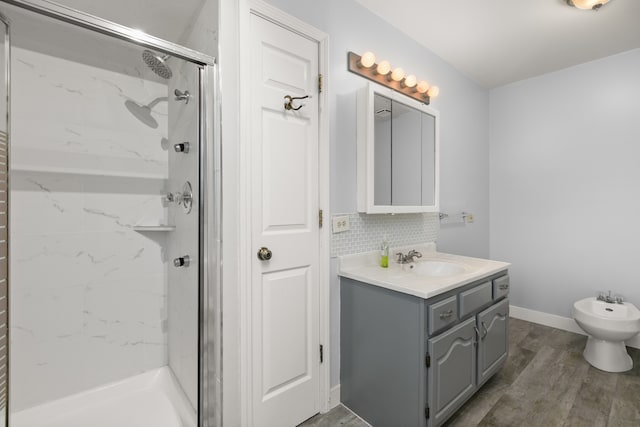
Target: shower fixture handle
(184,198)
(182,147)
(182,261)
(182,96)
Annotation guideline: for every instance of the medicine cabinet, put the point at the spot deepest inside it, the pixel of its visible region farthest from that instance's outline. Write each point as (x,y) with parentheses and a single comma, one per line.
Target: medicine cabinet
(397,152)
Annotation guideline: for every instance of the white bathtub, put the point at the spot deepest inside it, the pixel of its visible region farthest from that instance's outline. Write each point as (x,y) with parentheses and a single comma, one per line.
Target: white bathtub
(150,399)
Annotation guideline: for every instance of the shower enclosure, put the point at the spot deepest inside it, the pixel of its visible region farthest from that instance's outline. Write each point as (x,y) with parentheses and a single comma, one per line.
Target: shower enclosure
(113,225)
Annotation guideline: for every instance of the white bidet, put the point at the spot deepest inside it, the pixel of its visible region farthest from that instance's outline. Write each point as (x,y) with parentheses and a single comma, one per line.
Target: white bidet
(608,325)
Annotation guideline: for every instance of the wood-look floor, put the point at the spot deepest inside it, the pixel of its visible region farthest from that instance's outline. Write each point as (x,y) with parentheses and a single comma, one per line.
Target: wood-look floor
(545,382)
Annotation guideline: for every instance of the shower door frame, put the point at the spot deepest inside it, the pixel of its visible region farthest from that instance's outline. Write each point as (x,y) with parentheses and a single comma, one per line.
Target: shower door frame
(209,274)
(7,65)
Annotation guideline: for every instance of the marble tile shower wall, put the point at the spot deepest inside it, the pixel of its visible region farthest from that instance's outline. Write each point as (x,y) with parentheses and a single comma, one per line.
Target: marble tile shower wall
(88,294)
(367,231)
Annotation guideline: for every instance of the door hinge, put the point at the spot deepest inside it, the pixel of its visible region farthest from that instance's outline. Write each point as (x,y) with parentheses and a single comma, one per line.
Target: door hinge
(321,353)
(427,360)
(320,218)
(319,83)
(427,412)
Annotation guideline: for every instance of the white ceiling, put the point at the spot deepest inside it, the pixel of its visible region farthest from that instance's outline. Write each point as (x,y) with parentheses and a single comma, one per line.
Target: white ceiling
(496,42)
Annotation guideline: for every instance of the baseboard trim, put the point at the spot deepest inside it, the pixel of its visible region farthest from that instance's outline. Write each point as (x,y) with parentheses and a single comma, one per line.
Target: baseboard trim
(555,321)
(334,397)
(362,420)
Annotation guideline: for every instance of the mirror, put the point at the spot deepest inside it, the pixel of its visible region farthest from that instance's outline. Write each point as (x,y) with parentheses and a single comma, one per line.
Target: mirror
(397,153)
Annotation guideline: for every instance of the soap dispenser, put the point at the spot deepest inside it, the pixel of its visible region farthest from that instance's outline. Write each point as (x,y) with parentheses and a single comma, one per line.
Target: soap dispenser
(384,253)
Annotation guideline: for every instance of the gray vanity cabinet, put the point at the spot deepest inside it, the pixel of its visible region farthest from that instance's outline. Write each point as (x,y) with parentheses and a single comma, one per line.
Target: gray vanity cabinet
(452,372)
(493,325)
(410,362)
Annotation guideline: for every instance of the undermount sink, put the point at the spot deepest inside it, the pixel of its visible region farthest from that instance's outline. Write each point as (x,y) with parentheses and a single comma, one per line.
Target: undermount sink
(435,268)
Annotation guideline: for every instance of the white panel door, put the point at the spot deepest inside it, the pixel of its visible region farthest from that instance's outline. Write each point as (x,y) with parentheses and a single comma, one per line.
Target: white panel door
(284,290)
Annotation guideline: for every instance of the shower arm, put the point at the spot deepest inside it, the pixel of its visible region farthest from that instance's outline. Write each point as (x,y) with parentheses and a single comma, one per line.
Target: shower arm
(157,100)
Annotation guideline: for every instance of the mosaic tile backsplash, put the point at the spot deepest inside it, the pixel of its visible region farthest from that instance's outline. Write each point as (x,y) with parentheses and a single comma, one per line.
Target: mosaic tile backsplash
(366,232)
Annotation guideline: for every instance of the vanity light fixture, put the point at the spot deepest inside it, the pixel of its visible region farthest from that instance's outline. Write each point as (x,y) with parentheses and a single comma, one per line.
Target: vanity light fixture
(422,87)
(409,81)
(383,68)
(587,4)
(397,74)
(395,79)
(367,60)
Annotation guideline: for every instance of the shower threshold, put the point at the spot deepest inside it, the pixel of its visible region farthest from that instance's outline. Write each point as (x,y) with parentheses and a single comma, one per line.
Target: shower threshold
(150,399)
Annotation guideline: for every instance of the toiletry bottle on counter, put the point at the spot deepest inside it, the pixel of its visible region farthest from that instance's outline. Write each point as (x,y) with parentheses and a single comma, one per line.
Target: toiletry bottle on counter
(384,253)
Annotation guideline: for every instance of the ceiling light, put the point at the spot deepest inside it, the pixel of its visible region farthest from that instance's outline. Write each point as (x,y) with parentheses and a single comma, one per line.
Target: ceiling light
(587,4)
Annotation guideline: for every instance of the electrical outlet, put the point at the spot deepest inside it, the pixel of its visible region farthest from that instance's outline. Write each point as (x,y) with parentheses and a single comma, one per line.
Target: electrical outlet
(340,223)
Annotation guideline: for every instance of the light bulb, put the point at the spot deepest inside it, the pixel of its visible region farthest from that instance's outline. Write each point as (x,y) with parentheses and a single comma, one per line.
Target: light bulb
(587,4)
(397,74)
(422,87)
(383,68)
(433,91)
(410,81)
(367,60)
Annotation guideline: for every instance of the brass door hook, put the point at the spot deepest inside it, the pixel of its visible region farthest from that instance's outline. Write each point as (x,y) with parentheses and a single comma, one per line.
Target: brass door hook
(288,105)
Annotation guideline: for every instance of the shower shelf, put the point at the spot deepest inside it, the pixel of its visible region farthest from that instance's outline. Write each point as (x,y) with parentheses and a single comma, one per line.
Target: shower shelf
(154,228)
(52,161)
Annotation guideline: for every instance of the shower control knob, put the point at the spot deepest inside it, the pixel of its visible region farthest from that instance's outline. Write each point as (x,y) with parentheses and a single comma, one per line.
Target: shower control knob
(183,147)
(264,254)
(182,96)
(182,261)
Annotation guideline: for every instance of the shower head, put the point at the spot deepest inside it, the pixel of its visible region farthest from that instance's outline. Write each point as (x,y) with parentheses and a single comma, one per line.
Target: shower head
(143,112)
(157,64)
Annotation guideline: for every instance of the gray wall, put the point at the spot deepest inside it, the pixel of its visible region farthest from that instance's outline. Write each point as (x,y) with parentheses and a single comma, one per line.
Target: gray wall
(565,183)
(464,132)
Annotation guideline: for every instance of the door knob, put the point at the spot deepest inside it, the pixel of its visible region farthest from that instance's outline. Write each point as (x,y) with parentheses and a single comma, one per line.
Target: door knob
(264,254)
(182,261)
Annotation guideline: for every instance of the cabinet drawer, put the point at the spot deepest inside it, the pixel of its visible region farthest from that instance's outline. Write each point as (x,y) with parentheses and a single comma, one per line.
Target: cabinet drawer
(500,287)
(475,298)
(442,314)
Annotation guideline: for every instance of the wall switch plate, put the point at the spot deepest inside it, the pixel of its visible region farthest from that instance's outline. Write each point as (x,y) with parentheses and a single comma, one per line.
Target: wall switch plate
(340,223)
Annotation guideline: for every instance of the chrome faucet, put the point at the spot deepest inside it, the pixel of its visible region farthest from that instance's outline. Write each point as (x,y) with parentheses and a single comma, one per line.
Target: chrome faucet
(409,257)
(609,299)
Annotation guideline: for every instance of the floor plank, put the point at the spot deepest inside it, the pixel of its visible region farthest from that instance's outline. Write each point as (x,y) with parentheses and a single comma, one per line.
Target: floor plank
(545,382)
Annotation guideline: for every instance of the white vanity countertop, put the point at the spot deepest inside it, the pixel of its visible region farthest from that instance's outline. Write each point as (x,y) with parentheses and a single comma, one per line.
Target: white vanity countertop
(365,268)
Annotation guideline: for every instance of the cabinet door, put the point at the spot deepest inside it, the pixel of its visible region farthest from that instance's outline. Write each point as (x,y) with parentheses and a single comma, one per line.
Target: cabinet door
(452,374)
(493,344)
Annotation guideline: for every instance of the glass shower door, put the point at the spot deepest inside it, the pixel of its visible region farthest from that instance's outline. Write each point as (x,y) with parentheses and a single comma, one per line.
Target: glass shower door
(106,234)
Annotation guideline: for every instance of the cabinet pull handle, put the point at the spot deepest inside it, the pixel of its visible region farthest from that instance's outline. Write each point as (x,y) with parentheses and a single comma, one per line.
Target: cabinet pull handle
(484,329)
(478,334)
(446,314)
(503,287)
